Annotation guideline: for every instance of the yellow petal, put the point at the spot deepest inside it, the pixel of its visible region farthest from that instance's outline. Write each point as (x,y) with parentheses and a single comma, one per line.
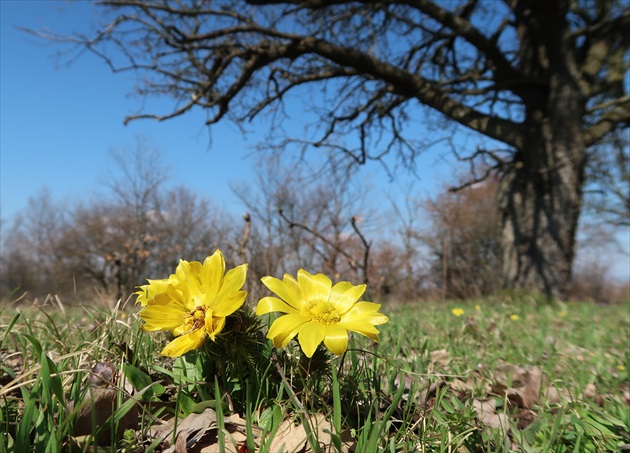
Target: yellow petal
(177,295)
(184,343)
(314,287)
(229,304)
(188,283)
(212,274)
(183,271)
(311,335)
(180,330)
(285,325)
(143,295)
(214,325)
(160,299)
(283,339)
(336,339)
(162,317)
(371,318)
(363,307)
(345,300)
(269,304)
(233,281)
(287,289)
(152,289)
(362,327)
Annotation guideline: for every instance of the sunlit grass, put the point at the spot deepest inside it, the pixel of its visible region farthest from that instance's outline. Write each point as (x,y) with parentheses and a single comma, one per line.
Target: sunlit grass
(421,388)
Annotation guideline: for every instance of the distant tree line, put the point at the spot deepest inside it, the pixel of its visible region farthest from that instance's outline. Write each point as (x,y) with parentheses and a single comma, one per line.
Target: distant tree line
(446,246)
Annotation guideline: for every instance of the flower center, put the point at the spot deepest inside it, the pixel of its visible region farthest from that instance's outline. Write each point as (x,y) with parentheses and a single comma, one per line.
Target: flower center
(195,319)
(322,311)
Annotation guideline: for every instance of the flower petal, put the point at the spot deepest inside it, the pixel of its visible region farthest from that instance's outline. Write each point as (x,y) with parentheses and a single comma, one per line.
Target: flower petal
(177,295)
(364,307)
(336,339)
(311,335)
(287,289)
(229,304)
(314,287)
(214,325)
(162,317)
(345,300)
(284,326)
(269,304)
(233,281)
(184,343)
(364,328)
(153,289)
(283,339)
(212,275)
(370,318)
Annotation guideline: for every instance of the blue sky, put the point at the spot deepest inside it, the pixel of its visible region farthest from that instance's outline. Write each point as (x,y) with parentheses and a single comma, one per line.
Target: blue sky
(59,122)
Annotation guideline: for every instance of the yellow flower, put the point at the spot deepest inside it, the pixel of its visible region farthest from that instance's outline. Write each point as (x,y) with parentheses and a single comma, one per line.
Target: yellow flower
(478,307)
(317,311)
(563,313)
(194,303)
(514,317)
(457,311)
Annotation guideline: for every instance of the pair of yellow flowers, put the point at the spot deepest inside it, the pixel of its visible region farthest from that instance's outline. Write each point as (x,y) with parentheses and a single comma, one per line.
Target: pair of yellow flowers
(194,302)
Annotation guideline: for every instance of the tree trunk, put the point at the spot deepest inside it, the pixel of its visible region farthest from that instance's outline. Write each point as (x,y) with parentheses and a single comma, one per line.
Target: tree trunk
(540,197)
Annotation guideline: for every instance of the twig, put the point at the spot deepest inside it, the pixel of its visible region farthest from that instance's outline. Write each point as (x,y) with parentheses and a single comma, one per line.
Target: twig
(366,248)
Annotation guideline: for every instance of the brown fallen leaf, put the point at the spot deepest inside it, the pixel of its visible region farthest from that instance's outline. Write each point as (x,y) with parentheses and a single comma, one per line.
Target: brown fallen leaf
(590,391)
(289,437)
(189,430)
(460,386)
(440,357)
(527,395)
(292,438)
(235,429)
(524,386)
(487,414)
(427,394)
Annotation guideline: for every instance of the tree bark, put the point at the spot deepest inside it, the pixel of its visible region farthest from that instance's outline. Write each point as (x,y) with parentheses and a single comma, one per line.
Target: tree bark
(540,196)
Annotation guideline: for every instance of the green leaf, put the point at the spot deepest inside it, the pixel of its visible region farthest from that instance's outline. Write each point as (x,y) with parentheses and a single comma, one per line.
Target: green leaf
(140,380)
(270,418)
(9,327)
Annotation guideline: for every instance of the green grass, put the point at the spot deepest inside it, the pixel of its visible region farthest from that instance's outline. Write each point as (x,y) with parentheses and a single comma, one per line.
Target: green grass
(419,389)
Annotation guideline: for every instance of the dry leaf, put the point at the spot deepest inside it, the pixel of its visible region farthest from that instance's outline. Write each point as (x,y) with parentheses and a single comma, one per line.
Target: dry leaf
(590,391)
(460,386)
(210,443)
(523,386)
(190,429)
(427,393)
(292,438)
(289,438)
(487,414)
(441,357)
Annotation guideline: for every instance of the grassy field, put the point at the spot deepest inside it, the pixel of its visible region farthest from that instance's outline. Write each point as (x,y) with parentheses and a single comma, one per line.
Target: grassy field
(500,374)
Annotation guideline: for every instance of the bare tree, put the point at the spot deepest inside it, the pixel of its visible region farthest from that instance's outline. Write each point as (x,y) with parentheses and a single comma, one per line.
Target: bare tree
(306,221)
(184,225)
(400,264)
(543,77)
(608,191)
(463,240)
(112,242)
(29,256)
